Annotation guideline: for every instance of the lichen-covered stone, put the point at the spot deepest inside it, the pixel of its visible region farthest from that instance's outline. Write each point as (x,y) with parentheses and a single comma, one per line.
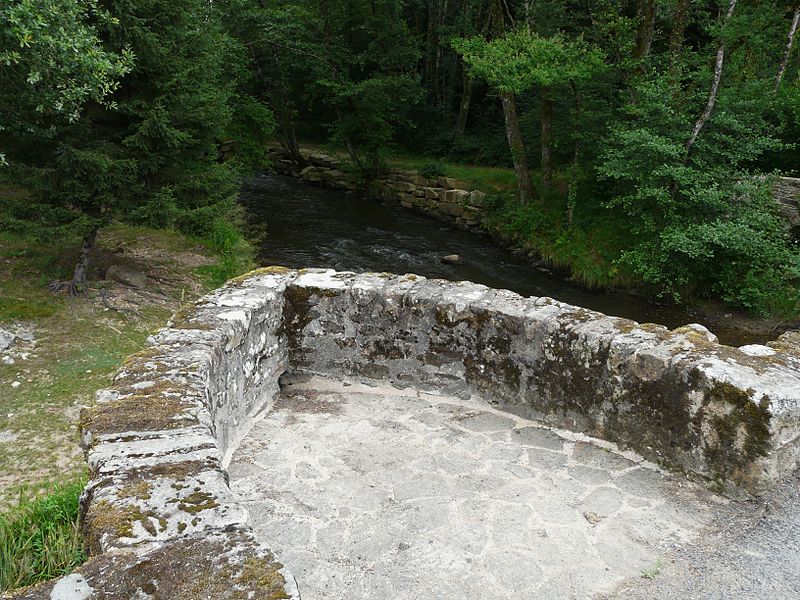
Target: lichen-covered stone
(219,564)
(642,386)
(158,441)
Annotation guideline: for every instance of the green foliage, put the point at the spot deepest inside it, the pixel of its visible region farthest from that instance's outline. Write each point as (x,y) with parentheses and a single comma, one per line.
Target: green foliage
(433,169)
(374,112)
(147,153)
(702,224)
(53,62)
(117,110)
(39,537)
(520,59)
(235,253)
(586,249)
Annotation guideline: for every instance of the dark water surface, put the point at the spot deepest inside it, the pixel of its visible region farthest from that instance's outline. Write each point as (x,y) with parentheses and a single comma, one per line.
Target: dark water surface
(311,226)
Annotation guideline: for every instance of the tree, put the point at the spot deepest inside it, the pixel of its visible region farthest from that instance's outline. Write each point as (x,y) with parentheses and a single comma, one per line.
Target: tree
(519,60)
(712,94)
(149,153)
(789,45)
(53,64)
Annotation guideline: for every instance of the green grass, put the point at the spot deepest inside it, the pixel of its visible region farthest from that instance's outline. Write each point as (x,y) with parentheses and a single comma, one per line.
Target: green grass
(39,537)
(488,179)
(80,342)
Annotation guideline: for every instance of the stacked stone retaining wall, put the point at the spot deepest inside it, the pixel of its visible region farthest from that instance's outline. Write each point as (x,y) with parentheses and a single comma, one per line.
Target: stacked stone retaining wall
(787,192)
(438,197)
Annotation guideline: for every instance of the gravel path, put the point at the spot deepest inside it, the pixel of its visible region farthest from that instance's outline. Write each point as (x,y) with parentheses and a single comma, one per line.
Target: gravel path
(751,551)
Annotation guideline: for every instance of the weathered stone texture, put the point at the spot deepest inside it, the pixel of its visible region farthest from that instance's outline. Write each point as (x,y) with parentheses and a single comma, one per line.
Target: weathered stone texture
(676,397)
(158,441)
(158,517)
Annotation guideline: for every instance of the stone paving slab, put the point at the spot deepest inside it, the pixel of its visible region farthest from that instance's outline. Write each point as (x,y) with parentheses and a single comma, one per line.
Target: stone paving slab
(374,492)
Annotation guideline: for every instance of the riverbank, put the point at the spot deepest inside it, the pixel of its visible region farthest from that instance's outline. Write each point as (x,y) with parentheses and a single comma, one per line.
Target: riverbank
(68,348)
(585,253)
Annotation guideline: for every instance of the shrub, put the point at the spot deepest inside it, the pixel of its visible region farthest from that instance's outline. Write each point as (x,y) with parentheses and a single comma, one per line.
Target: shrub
(432,169)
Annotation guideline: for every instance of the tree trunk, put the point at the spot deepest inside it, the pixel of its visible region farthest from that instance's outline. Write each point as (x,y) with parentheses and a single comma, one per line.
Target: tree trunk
(644,36)
(547,135)
(288,136)
(712,94)
(78,282)
(788,51)
(466,100)
(517,148)
(680,18)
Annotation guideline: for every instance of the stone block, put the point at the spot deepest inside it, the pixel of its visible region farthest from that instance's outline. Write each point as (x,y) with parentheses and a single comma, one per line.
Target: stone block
(432,192)
(477,198)
(402,186)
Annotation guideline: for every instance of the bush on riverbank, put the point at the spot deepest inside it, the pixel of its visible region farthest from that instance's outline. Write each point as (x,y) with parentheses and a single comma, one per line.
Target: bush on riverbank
(744,257)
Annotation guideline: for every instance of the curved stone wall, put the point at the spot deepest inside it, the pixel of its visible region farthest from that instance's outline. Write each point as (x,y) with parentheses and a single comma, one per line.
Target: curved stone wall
(730,416)
(160,520)
(158,517)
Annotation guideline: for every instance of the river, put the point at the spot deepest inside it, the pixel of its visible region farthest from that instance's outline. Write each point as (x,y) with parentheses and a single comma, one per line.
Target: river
(311,226)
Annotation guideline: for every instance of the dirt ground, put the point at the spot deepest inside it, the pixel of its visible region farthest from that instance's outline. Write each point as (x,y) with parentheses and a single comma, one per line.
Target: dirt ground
(78,343)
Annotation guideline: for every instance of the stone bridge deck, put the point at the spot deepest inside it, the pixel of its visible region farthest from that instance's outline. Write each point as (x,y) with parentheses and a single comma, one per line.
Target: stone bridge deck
(380,491)
(373,492)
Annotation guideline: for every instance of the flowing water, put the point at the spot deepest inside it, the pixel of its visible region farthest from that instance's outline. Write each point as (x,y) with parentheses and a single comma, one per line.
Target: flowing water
(311,226)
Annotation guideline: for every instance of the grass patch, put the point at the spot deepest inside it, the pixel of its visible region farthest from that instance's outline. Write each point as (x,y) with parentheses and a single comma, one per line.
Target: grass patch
(588,248)
(39,537)
(488,179)
(80,342)
(653,571)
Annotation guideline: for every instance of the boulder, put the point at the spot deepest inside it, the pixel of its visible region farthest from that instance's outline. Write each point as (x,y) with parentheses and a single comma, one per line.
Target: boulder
(453,196)
(6,339)
(322,160)
(452,259)
(402,186)
(126,275)
(700,330)
(332,176)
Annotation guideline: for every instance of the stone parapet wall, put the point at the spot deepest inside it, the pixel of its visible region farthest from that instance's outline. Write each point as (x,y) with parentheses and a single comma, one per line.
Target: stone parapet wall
(438,197)
(158,516)
(787,192)
(729,416)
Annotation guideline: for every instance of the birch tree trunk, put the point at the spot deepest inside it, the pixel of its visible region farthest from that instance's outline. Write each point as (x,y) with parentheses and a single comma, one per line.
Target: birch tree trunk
(517,148)
(712,94)
(788,52)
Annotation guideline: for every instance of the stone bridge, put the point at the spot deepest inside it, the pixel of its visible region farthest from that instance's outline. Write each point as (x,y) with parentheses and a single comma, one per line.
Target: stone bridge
(533,395)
